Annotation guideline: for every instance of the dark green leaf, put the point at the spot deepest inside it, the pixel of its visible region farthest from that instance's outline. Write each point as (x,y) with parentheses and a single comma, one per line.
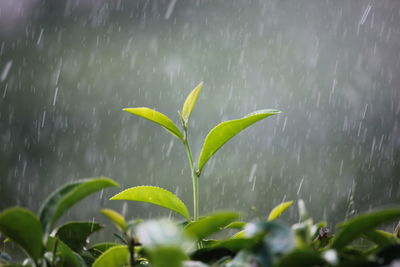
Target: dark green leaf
(210,224)
(158,118)
(301,258)
(224,131)
(68,195)
(75,234)
(362,224)
(24,228)
(65,256)
(154,195)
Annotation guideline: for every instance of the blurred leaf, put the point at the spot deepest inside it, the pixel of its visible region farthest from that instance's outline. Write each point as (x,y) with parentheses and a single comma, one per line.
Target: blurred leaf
(278,210)
(224,131)
(164,242)
(190,102)
(67,196)
(116,256)
(154,195)
(167,256)
(389,254)
(246,258)
(380,237)
(362,224)
(234,244)
(75,234)
(158,118)
(65,255)
(236,225)
(115,217)
(24,228)
(164,233)
(210,224)
(301,258)
(100,248)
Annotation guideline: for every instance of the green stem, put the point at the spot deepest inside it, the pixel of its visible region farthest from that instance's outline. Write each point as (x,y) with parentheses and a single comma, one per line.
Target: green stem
(195,177)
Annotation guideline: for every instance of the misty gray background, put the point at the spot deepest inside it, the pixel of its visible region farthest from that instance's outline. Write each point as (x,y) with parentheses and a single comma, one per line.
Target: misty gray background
(68,67)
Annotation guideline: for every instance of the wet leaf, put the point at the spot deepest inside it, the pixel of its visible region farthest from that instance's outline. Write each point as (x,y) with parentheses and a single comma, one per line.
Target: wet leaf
(65,255)
(115,217)
(67,196)
(24,228)
(154,195)
(355,227)
(278,210)
(75,234)
(116,256)
(210,224)
(224,131)
(190,102)
(156,117)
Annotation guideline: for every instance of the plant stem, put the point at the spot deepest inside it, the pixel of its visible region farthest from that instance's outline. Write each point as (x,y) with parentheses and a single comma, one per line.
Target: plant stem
(195,177)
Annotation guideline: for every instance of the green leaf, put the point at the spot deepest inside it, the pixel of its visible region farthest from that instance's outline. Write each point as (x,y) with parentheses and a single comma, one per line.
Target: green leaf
(224,131)
(154,195)
(164,242)
(116,256)
(380,237)
(65,255)
(75,234)
(278,210)
(100,248)
(158,118)
(362,224)
(24,228)
(210,224)
(303,257)
(115,217)
(67,196)
(236,225)
(190,102)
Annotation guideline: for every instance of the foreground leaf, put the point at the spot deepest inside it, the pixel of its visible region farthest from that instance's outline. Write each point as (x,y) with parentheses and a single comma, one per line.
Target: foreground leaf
(380,238)
(75,234)
(154,195)
(66,257)
(278,210)
(210,224)
(298,258)
(67,196)
(224,131)
(116,256)
(115,217)
(156,117)
(190,102)
(24,228)
(359,225)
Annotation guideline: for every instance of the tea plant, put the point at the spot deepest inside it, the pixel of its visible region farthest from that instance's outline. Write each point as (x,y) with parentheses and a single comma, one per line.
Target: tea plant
(265,242)
(215,139)
(44,244)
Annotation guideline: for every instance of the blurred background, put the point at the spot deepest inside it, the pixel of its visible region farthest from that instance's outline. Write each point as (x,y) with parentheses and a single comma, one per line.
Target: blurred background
(68,67)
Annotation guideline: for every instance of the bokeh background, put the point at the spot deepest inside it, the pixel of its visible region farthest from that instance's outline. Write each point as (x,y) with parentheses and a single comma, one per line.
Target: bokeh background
(68,67)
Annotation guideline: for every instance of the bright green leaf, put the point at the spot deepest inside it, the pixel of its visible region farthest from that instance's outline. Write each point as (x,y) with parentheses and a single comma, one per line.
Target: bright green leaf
(167,257)
(101,247)
(236,225)
(190,102)
(158,118)
(75,234)
(116,256)
(224,131)
(154,195)
(362,224)
(210,224)
(24,228)
(278,210)
(115,217)
(67,196)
